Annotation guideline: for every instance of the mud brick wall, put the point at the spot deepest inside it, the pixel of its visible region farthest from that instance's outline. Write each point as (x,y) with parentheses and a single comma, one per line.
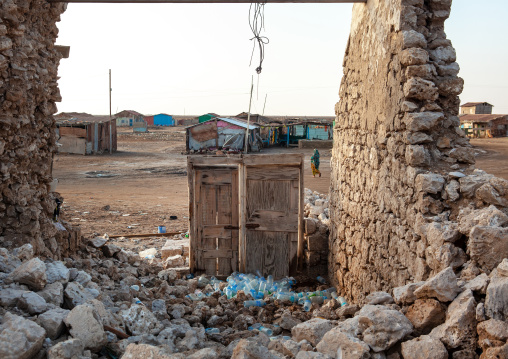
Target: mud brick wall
(28,92)
(403,174)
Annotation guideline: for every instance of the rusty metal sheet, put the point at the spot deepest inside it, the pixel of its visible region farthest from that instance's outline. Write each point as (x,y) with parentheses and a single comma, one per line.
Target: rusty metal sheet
(204,132)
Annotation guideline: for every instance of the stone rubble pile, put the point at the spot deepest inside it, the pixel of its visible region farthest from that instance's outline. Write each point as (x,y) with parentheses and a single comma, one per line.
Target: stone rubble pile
(316,230)
(111,303)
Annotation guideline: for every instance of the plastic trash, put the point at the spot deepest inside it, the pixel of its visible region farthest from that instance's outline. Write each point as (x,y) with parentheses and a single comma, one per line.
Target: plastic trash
(137,301)
(254,303)
(189,276)
(135,287)
(317,299)
(321,280)
(266,330)
(342,301)
(254,326)
(212,331)
(307,305)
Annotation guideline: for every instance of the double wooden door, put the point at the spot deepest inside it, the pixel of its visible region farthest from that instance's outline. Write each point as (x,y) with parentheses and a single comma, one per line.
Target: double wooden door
(246,214)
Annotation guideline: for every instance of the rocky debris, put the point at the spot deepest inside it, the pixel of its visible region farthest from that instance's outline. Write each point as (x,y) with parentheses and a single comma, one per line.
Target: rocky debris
(316,231)
(53,322)
(83,324)
(141,309)
(69,349)
(98,242)
(426,314)
(382,327)
(32,303)
(312,330)
(443,287)
(337,344)
(424,347)
(20,338)
(57,272)
(31,273)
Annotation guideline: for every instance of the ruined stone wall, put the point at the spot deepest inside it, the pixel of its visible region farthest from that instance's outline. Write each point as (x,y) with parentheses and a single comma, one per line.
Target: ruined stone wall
(28,92)
(403,180)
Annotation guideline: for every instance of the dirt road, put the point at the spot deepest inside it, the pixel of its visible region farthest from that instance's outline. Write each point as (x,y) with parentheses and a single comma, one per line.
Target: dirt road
(495,158)
(139,187)
(145,182)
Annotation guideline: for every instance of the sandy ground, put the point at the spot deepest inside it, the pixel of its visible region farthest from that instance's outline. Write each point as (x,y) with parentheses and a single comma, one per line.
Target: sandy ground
(495,158)
(139,187)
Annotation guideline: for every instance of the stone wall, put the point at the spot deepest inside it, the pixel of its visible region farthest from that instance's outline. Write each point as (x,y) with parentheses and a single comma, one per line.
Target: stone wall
(404,194)
(28,92)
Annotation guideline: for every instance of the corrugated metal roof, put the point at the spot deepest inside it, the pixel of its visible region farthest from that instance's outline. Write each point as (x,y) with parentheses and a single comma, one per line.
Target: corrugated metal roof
(481,118)
(473,104)
(233,121)
(74,118)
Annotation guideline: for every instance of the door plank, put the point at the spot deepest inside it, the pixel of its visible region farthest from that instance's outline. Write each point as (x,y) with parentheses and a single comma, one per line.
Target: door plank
(224,217)
(274,221)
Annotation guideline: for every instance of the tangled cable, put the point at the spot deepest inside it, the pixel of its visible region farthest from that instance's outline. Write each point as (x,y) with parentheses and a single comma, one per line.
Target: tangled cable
(257,24)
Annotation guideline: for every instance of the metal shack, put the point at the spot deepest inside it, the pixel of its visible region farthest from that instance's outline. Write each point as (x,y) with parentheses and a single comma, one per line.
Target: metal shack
(246,214)
(222,133)
(85,134)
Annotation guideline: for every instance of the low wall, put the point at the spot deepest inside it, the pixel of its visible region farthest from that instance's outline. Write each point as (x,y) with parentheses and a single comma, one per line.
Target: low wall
(315,144)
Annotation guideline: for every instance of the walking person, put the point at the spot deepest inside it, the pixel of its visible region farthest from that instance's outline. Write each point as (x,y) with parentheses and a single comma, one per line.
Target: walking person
(314,163)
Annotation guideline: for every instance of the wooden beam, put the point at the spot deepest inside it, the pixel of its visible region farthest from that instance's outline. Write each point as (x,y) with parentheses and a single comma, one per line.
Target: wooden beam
(141,235)
(210,1)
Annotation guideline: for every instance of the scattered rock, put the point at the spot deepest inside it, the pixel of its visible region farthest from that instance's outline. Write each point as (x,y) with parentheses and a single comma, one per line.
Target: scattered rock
(443,286)
(20,338)
(312,330)
(31,273)
(52,321)
(84,325)
(424,347)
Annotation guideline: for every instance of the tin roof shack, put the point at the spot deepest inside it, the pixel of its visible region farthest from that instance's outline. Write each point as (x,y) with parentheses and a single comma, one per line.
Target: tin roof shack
(222,133)
(481,126)
(86,134)
(140,127)
(163,119)
(128,118)
(272,134)
(207,117)
(476,108)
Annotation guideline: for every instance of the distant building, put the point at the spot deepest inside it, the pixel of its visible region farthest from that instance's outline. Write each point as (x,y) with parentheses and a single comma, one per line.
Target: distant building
(128,118)
(206,117)
(85,134)
(481,126)
(163,119)
(476,108)
(222,133)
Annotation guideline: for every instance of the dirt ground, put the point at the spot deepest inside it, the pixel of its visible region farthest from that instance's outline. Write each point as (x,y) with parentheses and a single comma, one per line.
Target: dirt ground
(138,188)
(494,159)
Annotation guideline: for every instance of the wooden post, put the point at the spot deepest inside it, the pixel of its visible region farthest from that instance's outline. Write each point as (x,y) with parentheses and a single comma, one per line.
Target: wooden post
(301,224)
(248,116)
(192,219)
(243,219)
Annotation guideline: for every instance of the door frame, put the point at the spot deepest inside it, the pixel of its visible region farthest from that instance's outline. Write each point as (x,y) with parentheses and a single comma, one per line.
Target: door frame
(242,163)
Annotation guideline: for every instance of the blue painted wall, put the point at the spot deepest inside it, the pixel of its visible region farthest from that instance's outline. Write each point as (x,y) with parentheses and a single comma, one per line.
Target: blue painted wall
(163,120)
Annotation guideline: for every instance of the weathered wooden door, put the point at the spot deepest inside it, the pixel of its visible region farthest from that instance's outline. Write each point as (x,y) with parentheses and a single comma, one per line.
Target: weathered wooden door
(216,214)
(272,219)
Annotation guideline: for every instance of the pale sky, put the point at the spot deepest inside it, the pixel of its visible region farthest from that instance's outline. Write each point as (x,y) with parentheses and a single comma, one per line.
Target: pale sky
(194,58)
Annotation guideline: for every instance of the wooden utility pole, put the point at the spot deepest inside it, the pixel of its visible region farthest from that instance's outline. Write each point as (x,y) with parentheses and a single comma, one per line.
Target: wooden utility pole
(110,127)
(110,94)
(248,116)
(264,105)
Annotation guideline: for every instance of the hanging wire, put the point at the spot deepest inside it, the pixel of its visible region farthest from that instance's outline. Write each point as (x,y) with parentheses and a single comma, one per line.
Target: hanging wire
(257,24)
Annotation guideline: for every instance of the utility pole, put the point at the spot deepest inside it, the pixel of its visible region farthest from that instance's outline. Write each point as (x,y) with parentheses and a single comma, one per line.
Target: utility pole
(264,105)
(248,115)
(110,94)
(110,127)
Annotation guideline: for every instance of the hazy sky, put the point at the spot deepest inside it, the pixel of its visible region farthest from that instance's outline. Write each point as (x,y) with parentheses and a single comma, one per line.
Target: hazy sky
(194,59)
